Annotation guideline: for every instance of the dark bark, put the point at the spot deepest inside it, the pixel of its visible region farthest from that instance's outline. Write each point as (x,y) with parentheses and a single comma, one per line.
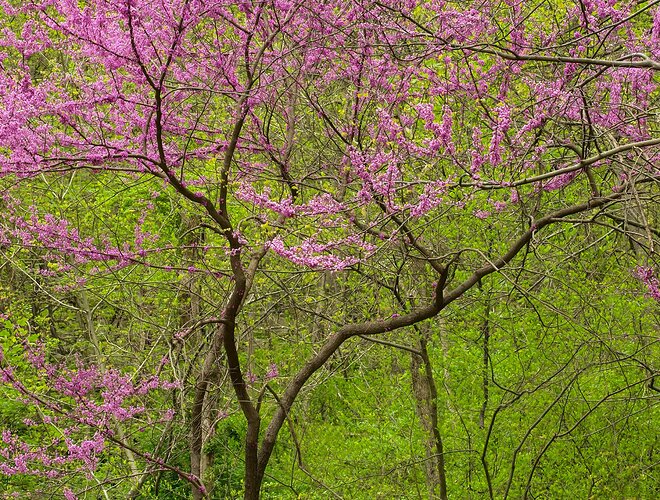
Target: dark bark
(485,375)
(197,414)
(426,399)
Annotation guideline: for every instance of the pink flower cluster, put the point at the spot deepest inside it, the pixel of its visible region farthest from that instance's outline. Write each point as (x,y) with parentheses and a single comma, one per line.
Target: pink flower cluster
(84,404)
(317,255)
(647,276)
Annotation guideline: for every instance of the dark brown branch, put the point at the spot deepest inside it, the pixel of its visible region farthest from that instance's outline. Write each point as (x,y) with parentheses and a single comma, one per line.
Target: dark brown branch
(392,344)
(381,326)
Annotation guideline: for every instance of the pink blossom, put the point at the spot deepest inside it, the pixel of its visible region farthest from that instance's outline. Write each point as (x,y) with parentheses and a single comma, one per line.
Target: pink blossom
(272,372)
(499,206)
(560,181)
(69,495)
(647,276)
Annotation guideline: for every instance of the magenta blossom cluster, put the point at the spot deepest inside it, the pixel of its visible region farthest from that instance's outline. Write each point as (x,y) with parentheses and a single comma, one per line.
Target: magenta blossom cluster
(75,412)
(137,112)
(648,277)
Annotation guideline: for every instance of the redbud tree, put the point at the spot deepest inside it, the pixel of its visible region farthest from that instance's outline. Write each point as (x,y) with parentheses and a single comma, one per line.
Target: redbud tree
(364,140)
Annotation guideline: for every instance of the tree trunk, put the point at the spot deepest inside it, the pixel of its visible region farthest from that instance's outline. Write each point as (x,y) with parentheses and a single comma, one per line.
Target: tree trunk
(426,399)
(197,434)
(253,477)
(485,372)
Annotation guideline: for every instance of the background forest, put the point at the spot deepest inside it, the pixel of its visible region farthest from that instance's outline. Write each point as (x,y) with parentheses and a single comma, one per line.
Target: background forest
(285,249)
